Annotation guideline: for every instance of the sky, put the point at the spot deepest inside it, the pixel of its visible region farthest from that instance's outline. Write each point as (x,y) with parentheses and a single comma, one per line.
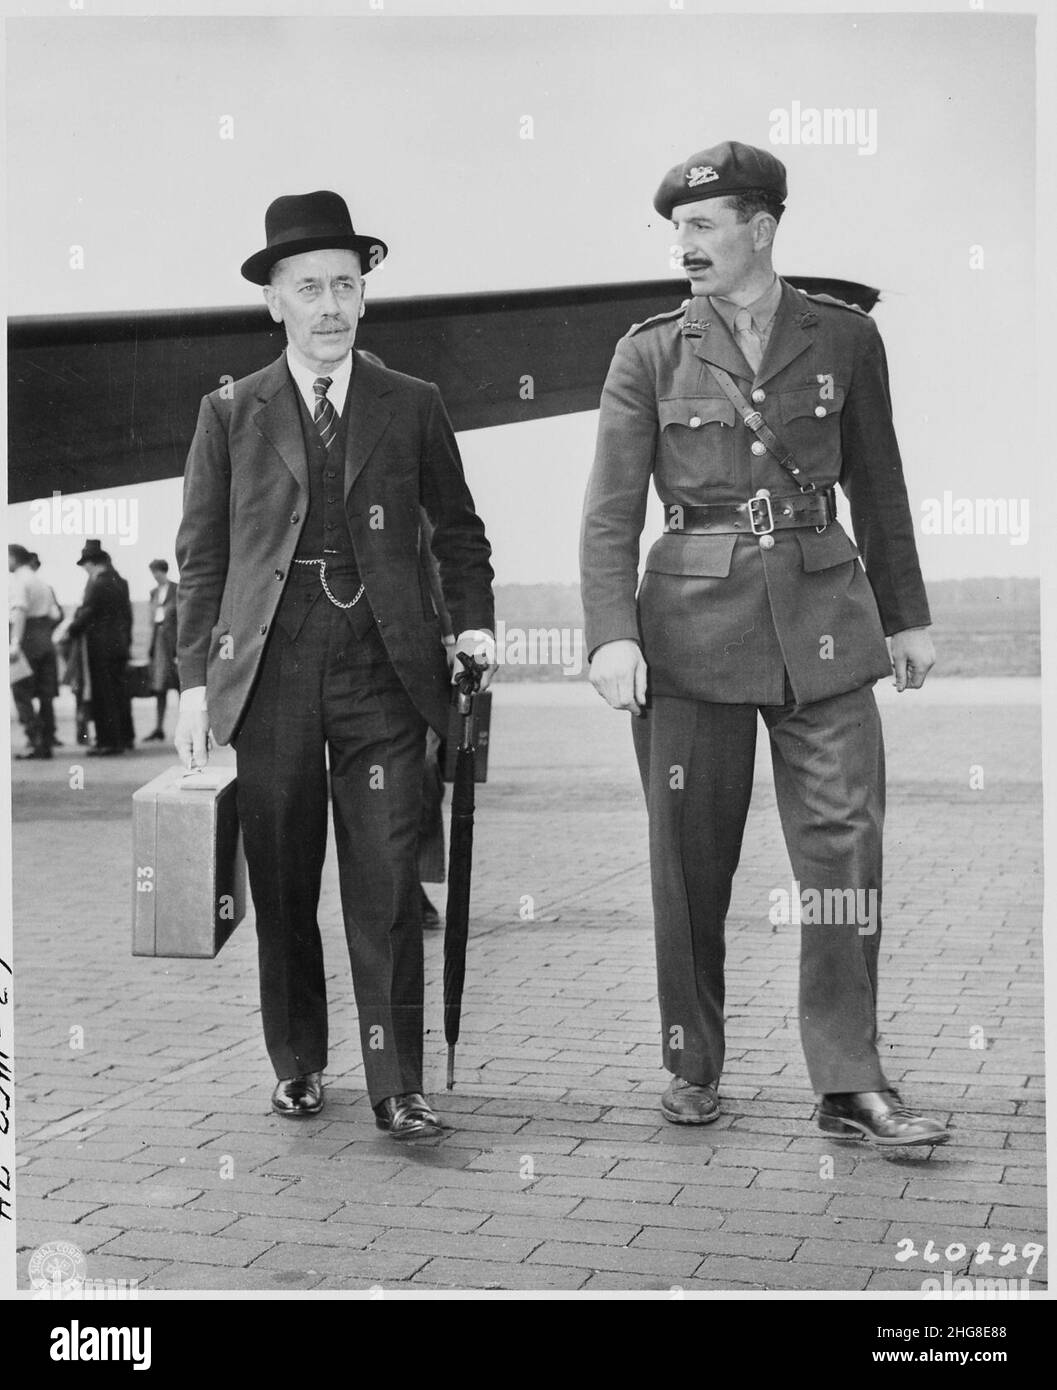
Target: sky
(115,126)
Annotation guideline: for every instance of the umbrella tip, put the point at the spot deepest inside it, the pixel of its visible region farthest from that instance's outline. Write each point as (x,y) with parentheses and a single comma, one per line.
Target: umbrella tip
(451,1066)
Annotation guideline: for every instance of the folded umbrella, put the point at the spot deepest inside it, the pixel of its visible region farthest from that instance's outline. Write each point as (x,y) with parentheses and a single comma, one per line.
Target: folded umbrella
(460,854)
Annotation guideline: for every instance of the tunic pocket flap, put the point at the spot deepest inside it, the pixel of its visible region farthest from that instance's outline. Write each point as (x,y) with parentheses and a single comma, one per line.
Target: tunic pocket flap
(694,411)
(708,556)
(833,546)
(809,402)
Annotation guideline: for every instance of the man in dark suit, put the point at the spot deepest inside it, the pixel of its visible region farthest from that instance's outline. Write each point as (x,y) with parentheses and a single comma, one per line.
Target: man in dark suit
(162,652)
(308,640)
(747,406)
(103,623)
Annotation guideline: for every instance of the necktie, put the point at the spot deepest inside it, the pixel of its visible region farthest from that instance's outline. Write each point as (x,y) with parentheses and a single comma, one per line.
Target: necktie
(747,339)
(325,416)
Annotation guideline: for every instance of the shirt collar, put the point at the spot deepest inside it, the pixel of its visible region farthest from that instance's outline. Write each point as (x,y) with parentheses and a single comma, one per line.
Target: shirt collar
(762,310)
(339,382)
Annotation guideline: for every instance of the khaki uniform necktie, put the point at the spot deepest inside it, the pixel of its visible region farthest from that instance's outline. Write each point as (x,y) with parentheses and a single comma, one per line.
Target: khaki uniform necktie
(747,339)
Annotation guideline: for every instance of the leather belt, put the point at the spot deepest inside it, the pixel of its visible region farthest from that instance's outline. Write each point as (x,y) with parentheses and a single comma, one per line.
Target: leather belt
(759,516)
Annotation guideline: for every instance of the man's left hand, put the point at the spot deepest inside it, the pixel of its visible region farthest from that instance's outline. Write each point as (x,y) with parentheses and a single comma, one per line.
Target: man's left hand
(478,643)
(913,657)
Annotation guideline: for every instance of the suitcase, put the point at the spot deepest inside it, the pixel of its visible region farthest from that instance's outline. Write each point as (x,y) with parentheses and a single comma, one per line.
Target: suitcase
(482,714)
(188,865)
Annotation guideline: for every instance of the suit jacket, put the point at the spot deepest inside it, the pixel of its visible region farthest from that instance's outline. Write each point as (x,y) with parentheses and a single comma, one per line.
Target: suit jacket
(104,618)
(246,496)
(721,617)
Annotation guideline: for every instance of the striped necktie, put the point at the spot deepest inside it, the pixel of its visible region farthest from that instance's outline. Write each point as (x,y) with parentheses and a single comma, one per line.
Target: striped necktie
(325,416)
(747,339)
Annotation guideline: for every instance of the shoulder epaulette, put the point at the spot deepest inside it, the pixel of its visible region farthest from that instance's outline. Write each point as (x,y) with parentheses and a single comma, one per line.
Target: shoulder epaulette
(836,303)
(658,318)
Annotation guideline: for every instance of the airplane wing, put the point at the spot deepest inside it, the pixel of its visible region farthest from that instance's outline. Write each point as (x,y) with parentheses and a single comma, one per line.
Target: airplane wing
(111,399)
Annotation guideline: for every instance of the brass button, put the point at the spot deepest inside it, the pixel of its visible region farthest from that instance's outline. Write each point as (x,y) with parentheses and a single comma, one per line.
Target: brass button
(820,410)
(295,517)
(263,629)
(278,574)
(695,421)
(758,448)
(759,395)
(766,542)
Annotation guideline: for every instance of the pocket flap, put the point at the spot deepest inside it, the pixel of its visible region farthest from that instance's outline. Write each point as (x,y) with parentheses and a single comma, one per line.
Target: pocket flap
(797,404)
(702,555)
(695,411)
(833,546)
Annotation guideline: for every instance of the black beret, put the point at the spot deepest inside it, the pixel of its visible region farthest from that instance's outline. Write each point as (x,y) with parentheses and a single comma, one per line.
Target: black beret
(726,168)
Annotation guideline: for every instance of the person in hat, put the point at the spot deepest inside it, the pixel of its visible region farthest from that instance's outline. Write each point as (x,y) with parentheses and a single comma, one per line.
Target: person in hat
(162,652)
(104,622)
(307,638)
(747,406)
(33,615)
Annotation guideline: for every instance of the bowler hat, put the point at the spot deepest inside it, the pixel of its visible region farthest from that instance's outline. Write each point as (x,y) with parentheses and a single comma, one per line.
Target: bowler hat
(300,222)
(93,554)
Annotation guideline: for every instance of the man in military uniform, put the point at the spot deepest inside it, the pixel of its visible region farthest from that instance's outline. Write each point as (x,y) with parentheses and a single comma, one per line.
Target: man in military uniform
(747,406)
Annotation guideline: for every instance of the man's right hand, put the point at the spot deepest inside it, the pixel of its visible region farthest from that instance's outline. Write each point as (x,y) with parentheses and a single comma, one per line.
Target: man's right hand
(192,728)
(618,673)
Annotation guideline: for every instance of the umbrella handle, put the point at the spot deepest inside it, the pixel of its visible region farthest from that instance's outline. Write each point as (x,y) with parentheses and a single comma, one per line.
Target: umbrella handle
(468,681)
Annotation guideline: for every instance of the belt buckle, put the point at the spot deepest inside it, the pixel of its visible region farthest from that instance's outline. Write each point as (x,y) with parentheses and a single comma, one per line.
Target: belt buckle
(768,518)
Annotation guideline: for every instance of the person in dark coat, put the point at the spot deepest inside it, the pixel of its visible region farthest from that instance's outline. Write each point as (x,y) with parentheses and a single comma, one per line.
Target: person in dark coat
(309,641)
(104,620)
(163,672)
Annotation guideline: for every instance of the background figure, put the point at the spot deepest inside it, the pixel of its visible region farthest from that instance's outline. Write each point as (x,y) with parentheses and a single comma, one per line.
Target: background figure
(34,614)
(104,620)
(163,673)
(58,614)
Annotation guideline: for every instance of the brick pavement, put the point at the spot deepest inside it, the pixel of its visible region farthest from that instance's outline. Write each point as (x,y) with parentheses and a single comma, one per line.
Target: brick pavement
(146,1138)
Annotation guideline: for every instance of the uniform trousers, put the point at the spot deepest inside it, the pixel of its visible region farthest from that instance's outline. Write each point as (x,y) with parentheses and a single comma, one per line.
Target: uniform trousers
(696,762)
(328,694)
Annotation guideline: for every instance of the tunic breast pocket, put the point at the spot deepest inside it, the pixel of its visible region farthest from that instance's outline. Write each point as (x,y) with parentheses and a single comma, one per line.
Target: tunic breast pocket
(811,427)
(695,445)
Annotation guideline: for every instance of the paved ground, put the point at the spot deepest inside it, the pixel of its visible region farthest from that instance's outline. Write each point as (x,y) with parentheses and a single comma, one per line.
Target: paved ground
(146,1137)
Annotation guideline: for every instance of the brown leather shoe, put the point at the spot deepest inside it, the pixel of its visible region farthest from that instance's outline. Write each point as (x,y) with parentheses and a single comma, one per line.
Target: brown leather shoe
(686,1104)
(297,1096)
(408,1117)
(879,1116)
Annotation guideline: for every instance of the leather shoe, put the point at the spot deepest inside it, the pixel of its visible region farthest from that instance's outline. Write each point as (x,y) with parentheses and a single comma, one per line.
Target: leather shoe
(32,753)
(408,1117)
(686,1104)
(296,1096)
(156,736)
(430,915)
(880,1116)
